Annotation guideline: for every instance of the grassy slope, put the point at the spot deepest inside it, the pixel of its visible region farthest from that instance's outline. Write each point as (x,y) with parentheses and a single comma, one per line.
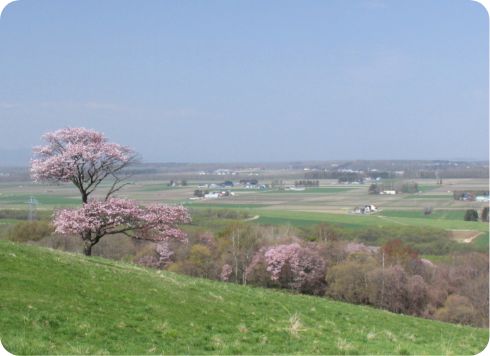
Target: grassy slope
(54,302)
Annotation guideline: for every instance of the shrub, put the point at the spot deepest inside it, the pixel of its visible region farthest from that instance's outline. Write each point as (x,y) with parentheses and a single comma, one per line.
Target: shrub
(348,281)
(30,231)
(198,263)
(471,215)
(417,293)
(457,309)
(387,288)
(484,214)
(396,252)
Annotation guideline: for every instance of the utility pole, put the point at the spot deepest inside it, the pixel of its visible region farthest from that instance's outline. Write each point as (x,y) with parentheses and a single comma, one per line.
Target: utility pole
(32,213)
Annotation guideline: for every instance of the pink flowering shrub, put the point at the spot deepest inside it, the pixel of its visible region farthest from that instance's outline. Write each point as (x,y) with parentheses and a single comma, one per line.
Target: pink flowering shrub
(165,254)
(161,257)
(290,266)
(226,271)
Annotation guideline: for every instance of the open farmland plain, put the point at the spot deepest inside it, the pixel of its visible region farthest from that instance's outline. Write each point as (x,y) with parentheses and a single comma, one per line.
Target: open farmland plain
(331,202)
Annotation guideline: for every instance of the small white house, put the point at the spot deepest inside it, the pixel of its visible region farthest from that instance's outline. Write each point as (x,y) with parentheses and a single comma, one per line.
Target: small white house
(388,192)
(212,195)
(296,189)
(366,209)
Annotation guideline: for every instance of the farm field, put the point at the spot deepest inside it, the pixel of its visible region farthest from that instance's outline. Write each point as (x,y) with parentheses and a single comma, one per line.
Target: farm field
(357,221)
(102,306)
(330,202)
(329,196)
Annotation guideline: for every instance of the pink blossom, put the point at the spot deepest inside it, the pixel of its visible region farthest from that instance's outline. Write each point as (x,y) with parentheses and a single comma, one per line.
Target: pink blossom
(85,158)
(81,156)
(156,222)
(292,266)
(226,271)
(164,253)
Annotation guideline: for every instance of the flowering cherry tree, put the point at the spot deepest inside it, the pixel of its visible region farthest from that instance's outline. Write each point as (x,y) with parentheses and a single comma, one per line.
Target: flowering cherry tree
(292,266)
(85,158)
(96,219)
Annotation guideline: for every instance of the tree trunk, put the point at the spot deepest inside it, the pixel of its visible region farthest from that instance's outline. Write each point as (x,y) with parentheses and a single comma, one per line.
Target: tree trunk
(87,249)
(88,243)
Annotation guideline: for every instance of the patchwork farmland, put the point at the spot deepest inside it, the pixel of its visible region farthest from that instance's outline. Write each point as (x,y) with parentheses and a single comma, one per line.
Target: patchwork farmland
(330,202)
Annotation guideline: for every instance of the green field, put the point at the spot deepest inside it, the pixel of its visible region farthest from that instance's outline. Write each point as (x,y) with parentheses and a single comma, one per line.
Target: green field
(301,218)
(429,196)
(58,303)
(482,241)
(316,190)
(20,200)
(157,187)
(436,214)
(427,187)
(207,204)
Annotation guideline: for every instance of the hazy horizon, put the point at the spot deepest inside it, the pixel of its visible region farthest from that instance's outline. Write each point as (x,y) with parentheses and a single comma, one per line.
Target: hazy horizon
(21,159)
(249,81)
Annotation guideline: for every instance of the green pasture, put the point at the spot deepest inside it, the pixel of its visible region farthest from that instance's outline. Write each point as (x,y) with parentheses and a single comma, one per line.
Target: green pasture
(207,204)
(9,221)
(429,196)
(44,200)
(482,241)
(301,218)
(316,190)
(427,187)
(436,214)
(61,303)
(156,187)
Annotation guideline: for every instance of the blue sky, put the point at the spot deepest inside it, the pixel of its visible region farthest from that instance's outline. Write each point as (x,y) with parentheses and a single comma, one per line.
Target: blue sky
(221,81)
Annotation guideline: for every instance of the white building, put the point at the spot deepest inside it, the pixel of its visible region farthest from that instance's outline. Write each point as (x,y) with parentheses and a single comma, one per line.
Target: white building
(388,192)
(212,195)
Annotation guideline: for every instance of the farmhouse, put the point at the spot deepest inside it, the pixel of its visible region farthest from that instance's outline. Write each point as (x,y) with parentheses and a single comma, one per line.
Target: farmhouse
(366,209)
(296,189)
(220,194)
(211,195)
(388,192)
(482,198)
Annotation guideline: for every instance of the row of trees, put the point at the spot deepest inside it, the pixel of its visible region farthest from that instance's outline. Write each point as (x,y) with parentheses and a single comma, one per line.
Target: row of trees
(400,187)
(472,215)
(391,276)
(307,183)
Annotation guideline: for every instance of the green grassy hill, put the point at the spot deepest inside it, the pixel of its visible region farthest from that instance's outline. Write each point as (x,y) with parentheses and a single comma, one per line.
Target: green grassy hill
(53,302)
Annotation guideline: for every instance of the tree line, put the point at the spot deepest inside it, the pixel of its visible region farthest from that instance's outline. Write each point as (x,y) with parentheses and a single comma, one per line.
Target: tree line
(390,276)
